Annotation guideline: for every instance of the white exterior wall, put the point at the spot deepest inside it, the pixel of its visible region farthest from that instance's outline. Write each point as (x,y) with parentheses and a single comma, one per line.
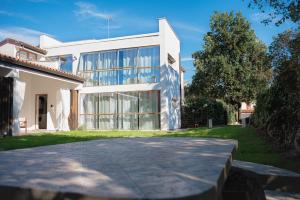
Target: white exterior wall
(170,81)
(8,49)
(169,44)
(36,84)
(182,86)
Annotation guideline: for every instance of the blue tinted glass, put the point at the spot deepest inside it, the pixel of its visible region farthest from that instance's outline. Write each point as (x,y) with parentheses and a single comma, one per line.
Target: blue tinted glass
(66,63)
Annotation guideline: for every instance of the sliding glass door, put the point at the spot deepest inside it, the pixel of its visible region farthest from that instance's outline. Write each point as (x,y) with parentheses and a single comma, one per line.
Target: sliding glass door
(126,110)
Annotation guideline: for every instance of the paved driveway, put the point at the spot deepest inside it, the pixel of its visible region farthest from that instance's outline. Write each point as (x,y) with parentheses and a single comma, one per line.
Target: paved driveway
(151,168)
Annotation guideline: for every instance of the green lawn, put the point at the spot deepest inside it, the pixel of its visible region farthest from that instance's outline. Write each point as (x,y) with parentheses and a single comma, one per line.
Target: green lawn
(251,147)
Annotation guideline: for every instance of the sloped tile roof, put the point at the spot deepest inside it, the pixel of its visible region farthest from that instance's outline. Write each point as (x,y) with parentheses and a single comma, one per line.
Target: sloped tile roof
(23,44)
(19,63)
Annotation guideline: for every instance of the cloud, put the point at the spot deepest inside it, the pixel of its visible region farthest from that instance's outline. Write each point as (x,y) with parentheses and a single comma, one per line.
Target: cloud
(188,27)
(259,16)
(20,33)
(17,15)
(186,59)
(87,10)
(97,18)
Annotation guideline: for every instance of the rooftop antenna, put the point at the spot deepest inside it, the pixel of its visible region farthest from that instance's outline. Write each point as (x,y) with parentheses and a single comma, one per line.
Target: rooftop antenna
(109,18)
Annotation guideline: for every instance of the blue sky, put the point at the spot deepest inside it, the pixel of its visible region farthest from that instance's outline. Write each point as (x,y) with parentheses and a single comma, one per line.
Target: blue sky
(69,20)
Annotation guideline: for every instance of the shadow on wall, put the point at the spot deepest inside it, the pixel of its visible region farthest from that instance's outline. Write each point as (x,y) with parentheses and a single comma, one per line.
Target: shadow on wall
(170,97)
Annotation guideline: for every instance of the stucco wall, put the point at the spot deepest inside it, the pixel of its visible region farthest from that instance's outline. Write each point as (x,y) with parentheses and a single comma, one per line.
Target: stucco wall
(8,49)
(170,92)
(41,85)
(170,81)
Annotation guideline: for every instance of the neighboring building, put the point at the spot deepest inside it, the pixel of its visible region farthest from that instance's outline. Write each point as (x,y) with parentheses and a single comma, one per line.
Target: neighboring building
(246,110)
(132,82)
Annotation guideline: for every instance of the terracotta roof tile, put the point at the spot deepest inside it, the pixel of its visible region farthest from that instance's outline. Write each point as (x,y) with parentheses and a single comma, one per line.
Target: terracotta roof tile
(37,67)
(23,44)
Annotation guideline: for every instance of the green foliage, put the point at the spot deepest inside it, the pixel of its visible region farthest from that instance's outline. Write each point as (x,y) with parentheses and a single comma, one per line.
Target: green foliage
(250,147)
(282,10)
(277,110)
(202,109)
(233,65)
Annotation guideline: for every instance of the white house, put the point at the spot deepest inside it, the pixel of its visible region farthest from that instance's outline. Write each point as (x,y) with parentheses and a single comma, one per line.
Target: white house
(131,82)
(32,93)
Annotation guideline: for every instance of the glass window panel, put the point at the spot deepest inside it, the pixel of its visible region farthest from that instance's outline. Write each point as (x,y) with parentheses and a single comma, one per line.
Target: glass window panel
(108,103)
(149,102)
(127,59)
(23,55)
(107,60)
(129,76)
(90,103)
(66,63)
(128,102)
(89,121)
(128,110)
(149,75)
(149,57)
(149,121)
(109,77)
(128,122)
(32,57)
(91,78)
(107,122)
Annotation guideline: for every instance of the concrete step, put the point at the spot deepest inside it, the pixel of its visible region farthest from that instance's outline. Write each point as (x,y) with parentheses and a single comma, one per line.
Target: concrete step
(275,195)
(272,178)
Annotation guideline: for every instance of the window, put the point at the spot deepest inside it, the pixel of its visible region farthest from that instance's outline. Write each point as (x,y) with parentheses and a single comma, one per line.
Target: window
(25,55)
(120,67)
(126,110)
(65,62)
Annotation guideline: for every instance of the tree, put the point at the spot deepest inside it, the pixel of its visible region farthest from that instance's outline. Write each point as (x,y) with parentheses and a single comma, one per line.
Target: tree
(277,111)
(233,65)
(282,10)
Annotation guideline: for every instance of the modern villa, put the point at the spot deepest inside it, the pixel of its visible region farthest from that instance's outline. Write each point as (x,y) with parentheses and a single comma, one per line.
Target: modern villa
(128,83)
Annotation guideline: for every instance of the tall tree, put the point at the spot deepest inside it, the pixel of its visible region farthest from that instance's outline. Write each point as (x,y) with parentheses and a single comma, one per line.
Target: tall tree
(281,10)
(277,110)
(233,64)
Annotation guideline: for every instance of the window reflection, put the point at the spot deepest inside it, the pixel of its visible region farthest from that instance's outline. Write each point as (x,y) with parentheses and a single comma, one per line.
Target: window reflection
(120,67)
(126,110)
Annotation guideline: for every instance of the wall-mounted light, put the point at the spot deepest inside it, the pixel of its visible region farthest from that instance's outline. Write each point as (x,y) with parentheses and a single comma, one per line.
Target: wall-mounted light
(52,107)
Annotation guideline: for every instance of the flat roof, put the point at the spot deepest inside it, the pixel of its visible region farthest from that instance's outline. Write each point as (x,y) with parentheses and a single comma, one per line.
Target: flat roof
(19,63)
(101,40)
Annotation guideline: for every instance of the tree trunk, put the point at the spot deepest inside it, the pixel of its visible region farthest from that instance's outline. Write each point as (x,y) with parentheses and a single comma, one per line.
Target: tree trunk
(297,141)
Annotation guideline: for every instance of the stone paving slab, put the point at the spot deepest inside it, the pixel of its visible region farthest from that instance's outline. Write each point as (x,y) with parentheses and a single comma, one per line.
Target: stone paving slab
(275,195)
(141,168)
(273,178)
(264,169)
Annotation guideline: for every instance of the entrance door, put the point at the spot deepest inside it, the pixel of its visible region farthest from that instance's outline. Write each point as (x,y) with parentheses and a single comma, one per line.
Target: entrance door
(41,102)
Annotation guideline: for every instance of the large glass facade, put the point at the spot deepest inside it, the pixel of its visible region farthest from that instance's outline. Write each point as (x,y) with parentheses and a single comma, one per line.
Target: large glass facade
(126,110)
(120,67)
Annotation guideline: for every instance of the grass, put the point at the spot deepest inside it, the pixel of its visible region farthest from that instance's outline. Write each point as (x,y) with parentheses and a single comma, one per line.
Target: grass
(251,147)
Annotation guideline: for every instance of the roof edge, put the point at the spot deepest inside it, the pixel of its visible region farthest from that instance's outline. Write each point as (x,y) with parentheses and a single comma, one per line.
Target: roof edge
(23,44)
(40,68)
